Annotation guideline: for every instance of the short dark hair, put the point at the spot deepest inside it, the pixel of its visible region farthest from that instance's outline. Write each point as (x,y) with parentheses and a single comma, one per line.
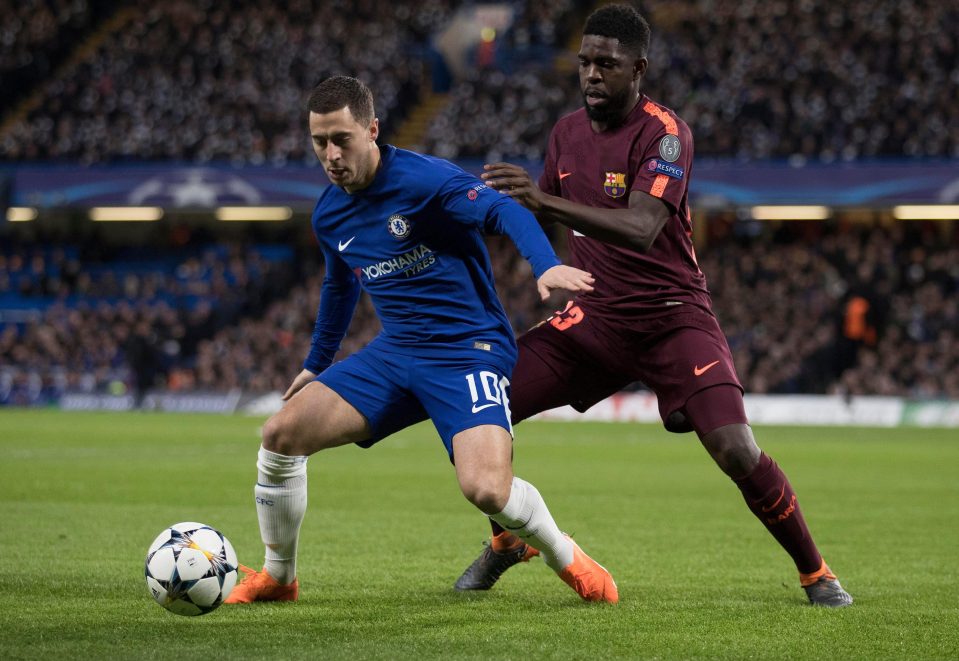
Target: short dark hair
(621,22)
(343,91)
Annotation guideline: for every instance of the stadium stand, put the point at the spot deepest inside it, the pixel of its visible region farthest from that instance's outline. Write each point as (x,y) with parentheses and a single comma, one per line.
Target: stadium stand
(37,35)
(222,81)
(808,308)
(75,318)
(856,310)
(844,81)
(803,80)
(817,308)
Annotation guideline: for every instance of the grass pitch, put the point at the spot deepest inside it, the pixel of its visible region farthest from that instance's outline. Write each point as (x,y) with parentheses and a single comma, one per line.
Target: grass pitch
(387,533)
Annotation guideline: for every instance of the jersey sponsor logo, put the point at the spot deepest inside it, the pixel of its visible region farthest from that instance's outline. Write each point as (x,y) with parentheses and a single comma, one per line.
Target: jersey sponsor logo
(615,184)
(398,226)
(699,371)
(409,263)
(669,148)
(665,168)
(343,245)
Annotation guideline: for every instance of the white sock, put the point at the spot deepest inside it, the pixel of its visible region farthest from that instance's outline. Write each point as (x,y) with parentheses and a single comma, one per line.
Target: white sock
(527,517)
(280,507)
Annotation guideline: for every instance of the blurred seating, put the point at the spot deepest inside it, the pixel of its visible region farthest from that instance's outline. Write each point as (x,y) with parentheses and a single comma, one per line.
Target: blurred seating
(224,81)
(36,36)
(74,320)
(800,80)
(853,310)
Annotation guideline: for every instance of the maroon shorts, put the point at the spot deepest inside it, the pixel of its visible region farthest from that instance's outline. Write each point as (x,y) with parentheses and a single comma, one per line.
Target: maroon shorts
(577,359)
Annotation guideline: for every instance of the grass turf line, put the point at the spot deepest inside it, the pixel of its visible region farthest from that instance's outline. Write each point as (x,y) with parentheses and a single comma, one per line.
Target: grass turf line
(387,533)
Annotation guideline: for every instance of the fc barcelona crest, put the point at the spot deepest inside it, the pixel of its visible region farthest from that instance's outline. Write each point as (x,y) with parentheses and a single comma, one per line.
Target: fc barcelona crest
(615,184)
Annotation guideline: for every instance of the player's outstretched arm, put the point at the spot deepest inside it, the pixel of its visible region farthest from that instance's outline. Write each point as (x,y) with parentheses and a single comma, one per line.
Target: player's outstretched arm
(303,378)
(635,228)
(565,278)
(515,182)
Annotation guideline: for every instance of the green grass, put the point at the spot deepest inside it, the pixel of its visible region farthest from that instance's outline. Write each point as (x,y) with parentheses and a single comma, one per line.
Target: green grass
(387,533)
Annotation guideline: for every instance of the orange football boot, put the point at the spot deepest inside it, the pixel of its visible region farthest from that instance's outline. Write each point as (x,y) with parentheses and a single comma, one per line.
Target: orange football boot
(589,578)
(260,586)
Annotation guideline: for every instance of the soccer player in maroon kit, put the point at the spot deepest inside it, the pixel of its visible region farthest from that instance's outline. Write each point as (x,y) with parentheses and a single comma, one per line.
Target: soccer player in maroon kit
(617,176)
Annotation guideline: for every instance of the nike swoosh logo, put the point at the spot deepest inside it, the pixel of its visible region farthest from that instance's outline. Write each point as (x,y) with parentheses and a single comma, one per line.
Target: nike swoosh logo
(699,371)
(343,246)
(782,493)
(477,409)
(563,175)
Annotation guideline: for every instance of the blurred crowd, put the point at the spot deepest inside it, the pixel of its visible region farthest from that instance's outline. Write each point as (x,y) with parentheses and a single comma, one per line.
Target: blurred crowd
(203,81)
(474,123)
(863,311)
(115,325)
(208,80)
(810,79)
(858,310)
(36,35)
(807,308)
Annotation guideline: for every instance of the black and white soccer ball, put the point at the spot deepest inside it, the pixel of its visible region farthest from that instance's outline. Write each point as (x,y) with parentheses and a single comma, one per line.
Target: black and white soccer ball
(191,568)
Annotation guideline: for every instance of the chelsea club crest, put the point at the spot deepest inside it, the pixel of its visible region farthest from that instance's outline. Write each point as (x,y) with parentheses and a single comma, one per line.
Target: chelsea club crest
(398,226)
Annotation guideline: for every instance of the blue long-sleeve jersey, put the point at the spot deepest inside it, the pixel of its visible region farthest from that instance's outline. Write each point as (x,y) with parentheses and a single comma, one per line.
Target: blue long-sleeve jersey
(413,240)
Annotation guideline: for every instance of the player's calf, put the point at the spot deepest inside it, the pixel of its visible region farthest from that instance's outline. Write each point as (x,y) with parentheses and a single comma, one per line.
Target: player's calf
(527,516)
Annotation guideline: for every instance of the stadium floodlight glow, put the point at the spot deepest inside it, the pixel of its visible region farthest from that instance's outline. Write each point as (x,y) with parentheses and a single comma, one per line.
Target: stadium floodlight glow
(126,214)
(926,212)
(790,212)
(254,213)
(21,214)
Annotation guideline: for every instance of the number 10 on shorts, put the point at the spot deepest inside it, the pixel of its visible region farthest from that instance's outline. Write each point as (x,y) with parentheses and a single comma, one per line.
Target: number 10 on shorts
(493,389)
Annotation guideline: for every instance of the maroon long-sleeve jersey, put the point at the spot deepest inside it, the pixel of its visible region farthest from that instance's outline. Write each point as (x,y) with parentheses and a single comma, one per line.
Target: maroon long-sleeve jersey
(652,152)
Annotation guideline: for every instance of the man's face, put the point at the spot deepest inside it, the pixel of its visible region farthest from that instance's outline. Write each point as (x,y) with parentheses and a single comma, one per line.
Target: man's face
(345,147)
(609,77)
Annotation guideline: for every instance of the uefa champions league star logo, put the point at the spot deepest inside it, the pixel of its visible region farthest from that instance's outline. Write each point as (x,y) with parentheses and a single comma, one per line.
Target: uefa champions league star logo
(398,226)
(195,187)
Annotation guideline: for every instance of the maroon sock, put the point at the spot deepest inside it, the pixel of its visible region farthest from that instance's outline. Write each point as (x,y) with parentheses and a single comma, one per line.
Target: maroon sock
(772,499)
(497,528)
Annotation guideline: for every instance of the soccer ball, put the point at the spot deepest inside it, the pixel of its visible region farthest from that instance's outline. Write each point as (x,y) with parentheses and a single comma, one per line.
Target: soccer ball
(190,568)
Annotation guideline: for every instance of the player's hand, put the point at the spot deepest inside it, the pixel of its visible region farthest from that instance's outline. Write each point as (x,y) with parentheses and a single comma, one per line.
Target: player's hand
(303,378)
(566,278)
(514,181)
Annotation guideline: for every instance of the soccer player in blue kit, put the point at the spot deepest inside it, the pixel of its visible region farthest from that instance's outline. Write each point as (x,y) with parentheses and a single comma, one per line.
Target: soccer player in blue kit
(407,228)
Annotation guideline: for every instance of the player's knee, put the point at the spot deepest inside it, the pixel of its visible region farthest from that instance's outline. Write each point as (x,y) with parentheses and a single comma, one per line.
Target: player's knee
(487,492)
(278,436)
(734,449)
